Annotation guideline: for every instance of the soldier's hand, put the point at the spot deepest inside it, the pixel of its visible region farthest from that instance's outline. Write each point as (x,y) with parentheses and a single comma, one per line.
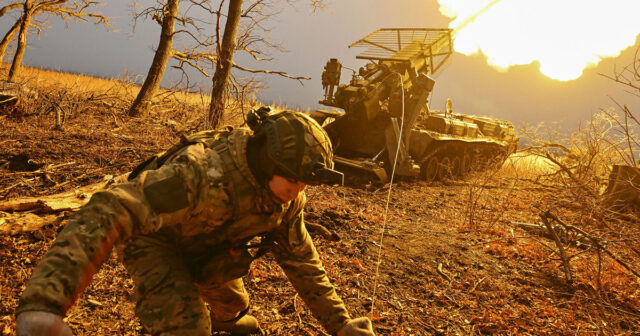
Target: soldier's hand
(360,326)
(37,323)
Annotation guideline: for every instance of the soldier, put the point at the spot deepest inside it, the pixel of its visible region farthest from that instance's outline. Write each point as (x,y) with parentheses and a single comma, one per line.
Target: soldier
(187,225)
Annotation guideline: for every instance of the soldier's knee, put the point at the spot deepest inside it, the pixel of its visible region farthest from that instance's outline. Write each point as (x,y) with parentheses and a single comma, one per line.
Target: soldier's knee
(225,301)
(185,332)
(171,315)
(195,326)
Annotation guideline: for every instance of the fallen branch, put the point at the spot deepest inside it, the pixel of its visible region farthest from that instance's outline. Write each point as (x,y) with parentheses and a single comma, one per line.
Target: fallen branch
(596,243)
(31,213)
(43,170)
(6,190)
(26,222)
(47,169)
(541,230)
(478,283)
(53,203)
(441,272)
(561,251)
(75,178)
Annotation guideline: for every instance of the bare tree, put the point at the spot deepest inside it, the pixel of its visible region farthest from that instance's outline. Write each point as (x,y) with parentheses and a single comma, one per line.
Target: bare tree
(22,40)
(167,18)
(201,46)
(9,35)
(224,63)
(75,10)
(7,38)
(4,9)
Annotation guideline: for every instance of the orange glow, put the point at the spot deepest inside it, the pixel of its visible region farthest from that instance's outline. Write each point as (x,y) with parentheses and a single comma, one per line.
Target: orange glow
(564,36)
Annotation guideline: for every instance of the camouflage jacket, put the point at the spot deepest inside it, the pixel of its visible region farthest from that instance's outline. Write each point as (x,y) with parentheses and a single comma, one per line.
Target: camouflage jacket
(205,195)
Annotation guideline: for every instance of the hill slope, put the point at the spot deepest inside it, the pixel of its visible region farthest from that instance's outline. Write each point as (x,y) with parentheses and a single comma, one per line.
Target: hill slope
(451,260)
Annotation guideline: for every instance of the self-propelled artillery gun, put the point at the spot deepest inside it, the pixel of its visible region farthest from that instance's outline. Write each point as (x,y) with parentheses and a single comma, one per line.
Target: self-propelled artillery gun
(386,113)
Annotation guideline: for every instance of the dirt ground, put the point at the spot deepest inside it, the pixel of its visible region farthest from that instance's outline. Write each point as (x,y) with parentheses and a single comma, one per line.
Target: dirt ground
(450,261)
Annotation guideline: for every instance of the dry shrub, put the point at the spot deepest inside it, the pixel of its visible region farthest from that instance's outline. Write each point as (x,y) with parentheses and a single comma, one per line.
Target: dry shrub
(580,164)
(490,189)
(485,205)
(598,257)
(598,252)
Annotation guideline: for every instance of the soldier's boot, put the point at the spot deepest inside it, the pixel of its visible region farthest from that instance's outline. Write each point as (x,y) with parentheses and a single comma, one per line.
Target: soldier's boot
(242,325)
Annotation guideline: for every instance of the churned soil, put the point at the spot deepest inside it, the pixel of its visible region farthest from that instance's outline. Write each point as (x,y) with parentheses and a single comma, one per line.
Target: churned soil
(437,259)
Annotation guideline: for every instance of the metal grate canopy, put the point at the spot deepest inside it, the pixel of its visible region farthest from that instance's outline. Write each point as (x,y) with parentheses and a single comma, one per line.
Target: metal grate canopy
(402,44)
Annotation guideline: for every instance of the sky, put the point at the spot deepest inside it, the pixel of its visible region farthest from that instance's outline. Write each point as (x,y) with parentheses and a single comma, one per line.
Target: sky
(521,93)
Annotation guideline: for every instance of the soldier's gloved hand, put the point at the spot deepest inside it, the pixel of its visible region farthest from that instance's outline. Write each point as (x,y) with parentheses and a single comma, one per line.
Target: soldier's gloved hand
(37,323)
(360,326)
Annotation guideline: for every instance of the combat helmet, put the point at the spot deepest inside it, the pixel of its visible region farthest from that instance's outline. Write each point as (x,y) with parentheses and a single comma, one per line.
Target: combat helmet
(297,145)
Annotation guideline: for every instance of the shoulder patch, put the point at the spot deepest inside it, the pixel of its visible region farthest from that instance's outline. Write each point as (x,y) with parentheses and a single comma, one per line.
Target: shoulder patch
(168,195)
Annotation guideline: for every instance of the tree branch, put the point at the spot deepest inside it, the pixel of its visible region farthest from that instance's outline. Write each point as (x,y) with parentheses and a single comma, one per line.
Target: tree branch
(7,8)
(561,251)
(271,72)
(594,240)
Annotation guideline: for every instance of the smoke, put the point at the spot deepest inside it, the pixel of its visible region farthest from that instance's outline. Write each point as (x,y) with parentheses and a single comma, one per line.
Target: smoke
(564,36)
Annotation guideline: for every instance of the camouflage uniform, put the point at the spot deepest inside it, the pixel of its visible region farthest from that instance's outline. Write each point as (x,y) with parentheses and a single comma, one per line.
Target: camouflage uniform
(179,230)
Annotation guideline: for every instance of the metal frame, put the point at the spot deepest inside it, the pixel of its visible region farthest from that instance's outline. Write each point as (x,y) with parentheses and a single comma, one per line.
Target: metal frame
(386,43)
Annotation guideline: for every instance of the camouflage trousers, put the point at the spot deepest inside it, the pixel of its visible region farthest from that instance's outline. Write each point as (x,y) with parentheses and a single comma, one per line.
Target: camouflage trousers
(168,299)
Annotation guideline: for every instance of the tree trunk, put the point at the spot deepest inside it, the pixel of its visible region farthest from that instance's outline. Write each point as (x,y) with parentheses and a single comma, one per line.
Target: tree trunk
(224,64)
(22,41)
(7,38)
(152,82)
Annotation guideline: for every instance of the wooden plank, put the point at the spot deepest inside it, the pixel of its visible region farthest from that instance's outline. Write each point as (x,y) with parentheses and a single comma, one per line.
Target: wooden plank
(31,213)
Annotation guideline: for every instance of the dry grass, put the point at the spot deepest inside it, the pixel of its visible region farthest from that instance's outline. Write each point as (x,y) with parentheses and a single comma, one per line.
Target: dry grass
(118,94)
(38,78)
